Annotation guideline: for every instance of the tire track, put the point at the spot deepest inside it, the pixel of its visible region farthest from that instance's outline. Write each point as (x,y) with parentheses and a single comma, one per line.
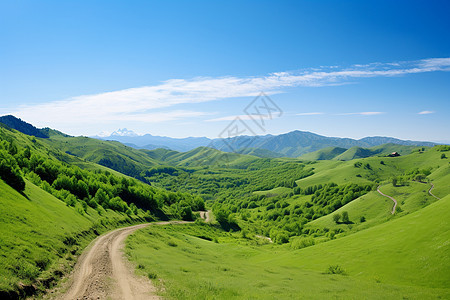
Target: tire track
(103,272)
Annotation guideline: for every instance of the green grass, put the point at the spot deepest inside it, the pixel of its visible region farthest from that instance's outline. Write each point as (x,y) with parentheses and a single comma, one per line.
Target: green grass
(403,258)
(323,154)
(373,207)
(411,250)
(41,236)
(410,197)
(376,209)
(336,153)
(111,154)
(381,168)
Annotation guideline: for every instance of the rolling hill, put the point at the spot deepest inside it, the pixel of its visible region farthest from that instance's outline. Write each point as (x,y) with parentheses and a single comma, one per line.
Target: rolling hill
(324,154)
(336,153)
(404,258)
(54,203)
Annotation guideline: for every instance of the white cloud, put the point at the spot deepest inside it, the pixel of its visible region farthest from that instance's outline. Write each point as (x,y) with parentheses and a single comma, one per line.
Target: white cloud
(309,114)
(426,112)
(364,113)
(139,104)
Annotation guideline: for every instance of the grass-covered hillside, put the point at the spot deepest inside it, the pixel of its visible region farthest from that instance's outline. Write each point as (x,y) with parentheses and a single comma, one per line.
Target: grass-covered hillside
(54,203)
(283,198)
(336,153)
(404,258)
(41,237)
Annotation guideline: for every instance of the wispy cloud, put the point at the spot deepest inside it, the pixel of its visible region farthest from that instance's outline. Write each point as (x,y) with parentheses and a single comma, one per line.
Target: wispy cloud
(426,112)
(364,113)
(139,104)
(309,114)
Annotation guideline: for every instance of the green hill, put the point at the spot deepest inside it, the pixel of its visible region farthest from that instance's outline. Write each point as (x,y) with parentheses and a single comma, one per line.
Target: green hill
(41,236)
(201,156)
(410,251)
(382,150)
(110,154)
(404,258)
(343,154)
(54,203)
(324,154)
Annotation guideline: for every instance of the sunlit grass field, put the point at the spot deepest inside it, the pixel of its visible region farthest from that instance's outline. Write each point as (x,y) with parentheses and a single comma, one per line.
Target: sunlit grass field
(403,258)
(41,235)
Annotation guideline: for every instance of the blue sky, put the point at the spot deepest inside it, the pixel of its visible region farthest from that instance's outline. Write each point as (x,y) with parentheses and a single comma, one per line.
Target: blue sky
(187,68)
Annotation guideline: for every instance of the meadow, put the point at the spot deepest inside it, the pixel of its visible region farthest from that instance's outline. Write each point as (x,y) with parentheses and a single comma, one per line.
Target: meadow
(403,258)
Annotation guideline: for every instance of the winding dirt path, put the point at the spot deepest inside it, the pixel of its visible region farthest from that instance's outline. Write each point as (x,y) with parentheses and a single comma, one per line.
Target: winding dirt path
(206,215)
(395,201)
(103,272)
(429,191)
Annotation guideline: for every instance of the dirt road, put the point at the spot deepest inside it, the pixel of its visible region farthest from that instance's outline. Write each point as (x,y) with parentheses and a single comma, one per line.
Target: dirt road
(102,271)
(395,201)
(429,191)
(206,215)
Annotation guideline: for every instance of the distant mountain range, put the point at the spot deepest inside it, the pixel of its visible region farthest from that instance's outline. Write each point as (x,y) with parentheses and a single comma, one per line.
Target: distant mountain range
(151,142)
(292,144)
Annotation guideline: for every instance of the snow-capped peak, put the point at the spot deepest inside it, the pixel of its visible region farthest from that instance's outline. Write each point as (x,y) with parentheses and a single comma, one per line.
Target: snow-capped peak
(124,132)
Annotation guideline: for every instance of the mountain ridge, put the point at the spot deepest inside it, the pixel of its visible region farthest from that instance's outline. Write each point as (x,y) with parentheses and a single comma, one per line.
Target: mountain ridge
(292,144)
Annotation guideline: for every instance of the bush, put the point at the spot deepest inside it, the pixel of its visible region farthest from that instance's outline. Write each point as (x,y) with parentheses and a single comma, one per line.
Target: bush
(12,177)
(394,181)
(336,218)
(335,269)
(172,244)
(299,243)
(345,218)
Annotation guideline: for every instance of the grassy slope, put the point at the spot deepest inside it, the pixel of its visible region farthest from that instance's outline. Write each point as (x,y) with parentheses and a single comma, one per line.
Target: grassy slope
(336,153)
(323,154)
(34,227)
(401,256)
(111,154)
(342,172)
(406,257)
(374,207)
(203,156)
(412,250)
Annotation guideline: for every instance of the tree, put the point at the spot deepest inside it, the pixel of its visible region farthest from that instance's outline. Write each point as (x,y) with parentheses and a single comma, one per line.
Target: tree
(12,177)
(345,218)
(419,177)
(443,156)
(362,219)
(336,218)
(394,181)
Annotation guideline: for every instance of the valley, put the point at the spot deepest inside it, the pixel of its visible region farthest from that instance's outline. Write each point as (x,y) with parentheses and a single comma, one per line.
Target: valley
(339,223)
